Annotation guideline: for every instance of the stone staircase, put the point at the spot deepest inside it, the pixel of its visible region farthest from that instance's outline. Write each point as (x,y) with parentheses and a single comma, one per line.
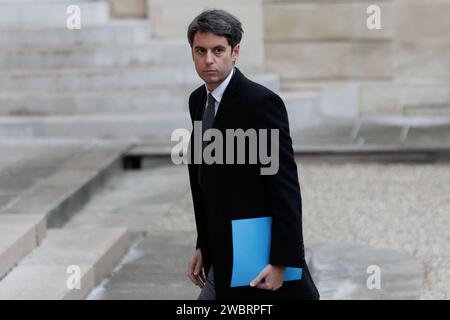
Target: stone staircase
(112,79)
(35,263)
(117,32)
(19,235)
(31,13)
(119,78)
(45,273)
(108,79)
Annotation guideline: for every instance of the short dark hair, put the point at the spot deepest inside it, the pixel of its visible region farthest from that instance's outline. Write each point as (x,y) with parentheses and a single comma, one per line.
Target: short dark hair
(219,22)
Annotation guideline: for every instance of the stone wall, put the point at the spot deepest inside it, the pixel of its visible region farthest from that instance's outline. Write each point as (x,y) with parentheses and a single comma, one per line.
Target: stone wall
(423,39)
(325,45)
(326,41)
(128,8)
(170,19)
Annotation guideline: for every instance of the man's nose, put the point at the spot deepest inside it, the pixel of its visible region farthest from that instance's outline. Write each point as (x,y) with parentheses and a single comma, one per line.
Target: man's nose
(209,57)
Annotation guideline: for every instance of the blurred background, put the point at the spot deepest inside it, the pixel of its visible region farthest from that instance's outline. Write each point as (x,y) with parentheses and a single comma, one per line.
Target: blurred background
(88,190)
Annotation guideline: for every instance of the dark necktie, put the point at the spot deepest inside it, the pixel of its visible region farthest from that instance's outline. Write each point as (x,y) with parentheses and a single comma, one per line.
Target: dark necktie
(208,117)
(207,123)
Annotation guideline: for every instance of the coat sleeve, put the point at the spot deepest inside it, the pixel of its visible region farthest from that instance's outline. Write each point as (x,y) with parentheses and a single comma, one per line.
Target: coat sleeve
(195,187)
(198,208)
(282,188)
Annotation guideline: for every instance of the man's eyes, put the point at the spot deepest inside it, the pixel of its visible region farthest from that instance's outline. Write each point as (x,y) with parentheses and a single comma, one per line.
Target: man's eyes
(217,51)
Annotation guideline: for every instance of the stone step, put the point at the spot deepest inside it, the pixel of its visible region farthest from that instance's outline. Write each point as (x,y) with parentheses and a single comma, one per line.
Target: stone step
(369,98)
(396,98)
(116,32)
(25,162)
(158,272)
(303,108)
(45,274)
(50,13)
(156,210)
(19,235)
(428,109)
(141,126)
(351,270)
(144,100)
(62,193)
(111,78)
(161,219)
(155,52)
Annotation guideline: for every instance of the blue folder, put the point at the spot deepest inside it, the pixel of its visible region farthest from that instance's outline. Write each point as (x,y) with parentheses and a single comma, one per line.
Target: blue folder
(251,251)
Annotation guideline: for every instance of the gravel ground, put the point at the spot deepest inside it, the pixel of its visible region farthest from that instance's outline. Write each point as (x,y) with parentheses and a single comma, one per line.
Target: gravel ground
(401,206)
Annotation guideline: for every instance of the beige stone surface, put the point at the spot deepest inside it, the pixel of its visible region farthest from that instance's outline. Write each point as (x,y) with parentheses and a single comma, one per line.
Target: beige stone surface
(171,18)
(391,98)
(419,19)
(324,21)
(19,235)
(324,42)
(45,272)
(128,8)
(45,283)
(100,247)
(330,60)
(423,58)
(382,97)
(37,220)
(16,242)
(422,37)
(341,271)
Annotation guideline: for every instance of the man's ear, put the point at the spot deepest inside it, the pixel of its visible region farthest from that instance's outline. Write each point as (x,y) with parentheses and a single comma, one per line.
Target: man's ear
(235,52)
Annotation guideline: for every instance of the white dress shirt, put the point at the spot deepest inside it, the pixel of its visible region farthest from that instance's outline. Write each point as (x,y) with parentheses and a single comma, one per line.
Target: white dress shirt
(219,91)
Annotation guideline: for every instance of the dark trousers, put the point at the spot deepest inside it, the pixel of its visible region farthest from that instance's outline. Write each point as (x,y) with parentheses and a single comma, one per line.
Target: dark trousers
(208,291)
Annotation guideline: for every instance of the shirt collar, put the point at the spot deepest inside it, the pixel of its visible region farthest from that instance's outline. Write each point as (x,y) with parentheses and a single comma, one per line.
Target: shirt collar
(220,90)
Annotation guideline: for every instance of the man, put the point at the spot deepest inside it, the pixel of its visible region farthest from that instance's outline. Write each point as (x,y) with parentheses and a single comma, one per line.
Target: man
(225,192)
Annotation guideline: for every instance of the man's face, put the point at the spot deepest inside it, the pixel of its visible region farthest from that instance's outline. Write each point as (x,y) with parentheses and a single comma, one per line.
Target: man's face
(213,57)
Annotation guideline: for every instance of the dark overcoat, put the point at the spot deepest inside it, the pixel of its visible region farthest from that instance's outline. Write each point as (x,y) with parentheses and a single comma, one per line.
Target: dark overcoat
(225,192)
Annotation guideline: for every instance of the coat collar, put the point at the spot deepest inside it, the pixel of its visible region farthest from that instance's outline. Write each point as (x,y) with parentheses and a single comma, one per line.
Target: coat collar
(218,92)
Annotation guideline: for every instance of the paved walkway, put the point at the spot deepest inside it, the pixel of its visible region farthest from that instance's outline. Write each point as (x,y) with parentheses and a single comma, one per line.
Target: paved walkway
(381,132)
(397,206)
(339,207)
(155,204)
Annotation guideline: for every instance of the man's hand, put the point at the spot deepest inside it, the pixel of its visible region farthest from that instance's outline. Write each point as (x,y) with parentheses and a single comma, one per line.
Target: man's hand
(195,269)
(270,278)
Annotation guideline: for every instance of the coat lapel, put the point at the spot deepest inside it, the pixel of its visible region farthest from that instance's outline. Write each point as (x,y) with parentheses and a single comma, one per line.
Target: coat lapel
(227,99)
(200,106)
(225,104)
